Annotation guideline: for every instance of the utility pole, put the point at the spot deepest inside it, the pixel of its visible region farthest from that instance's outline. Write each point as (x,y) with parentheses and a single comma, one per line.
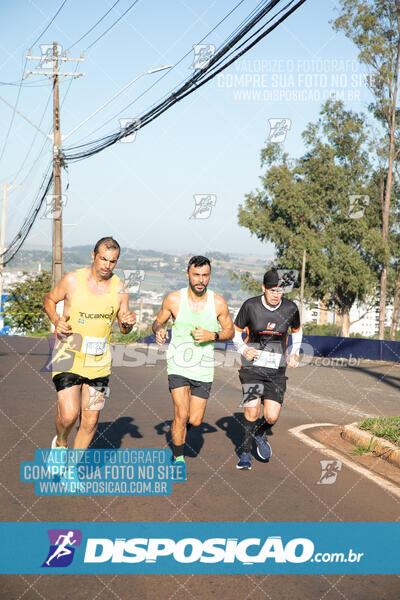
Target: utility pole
(53,56)
(6,187)
(303,274)
(57,243)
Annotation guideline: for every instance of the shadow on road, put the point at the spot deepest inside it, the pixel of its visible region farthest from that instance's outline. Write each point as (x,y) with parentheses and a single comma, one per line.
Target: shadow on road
(232,426)
(110,434)
(386,379)
(194,438)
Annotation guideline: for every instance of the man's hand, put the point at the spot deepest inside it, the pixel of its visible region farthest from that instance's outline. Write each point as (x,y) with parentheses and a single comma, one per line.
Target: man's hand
(293,361)
(161,335)
(251,353)
(202,335)
(62,326)
(127,319)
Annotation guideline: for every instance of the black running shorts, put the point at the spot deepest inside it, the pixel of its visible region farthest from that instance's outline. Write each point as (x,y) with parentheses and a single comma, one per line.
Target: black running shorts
(201,389)
(66,380)
(257,385)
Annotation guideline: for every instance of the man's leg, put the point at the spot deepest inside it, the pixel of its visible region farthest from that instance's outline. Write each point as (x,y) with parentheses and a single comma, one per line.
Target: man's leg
(68,407)
(249,422)
(181,400)
(271,412)
(89,416)
(272,409)
(250,416)
(197,408)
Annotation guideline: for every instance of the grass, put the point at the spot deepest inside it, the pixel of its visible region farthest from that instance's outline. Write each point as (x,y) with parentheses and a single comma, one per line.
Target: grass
(365,449)
(384,427)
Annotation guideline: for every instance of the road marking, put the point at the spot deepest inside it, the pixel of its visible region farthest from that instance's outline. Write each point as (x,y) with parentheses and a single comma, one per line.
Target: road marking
(381,481)
(334,404)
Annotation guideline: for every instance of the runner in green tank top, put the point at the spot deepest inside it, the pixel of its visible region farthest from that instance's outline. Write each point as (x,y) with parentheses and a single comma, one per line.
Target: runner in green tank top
(197,315)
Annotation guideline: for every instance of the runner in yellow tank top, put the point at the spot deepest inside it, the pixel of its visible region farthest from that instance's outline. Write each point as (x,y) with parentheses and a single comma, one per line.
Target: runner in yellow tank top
(196,314)
(81,360)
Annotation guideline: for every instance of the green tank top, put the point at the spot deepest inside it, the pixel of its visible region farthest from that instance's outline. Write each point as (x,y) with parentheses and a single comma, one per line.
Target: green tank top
(184,357)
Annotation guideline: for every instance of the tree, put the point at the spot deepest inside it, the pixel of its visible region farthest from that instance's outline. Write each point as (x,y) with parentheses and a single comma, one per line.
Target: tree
(24,307)
(317,203)
(374,26)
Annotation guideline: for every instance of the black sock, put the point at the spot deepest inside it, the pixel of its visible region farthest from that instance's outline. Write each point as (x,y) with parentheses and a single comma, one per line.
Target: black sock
(262,426)
(248,428)
(178,450)
(188,426)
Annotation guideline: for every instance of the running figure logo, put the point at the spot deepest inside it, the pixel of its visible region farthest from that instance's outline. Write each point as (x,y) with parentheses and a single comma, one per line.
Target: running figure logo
(97,397)
(278,129)
(133,125)
(54,206)
(330,471)
(62,547)
(202,55)
(132,281)
(46,51)
(289,279)
(203,205)
(252,391)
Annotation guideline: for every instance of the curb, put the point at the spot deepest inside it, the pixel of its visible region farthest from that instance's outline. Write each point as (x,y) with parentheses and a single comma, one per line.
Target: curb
(382,448)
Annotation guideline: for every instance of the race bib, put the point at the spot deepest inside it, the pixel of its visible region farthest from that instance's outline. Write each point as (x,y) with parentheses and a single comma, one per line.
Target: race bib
(272,360)
(94,345)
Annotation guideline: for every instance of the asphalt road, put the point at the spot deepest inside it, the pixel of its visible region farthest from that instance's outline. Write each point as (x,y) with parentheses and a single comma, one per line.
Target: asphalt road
(138,415)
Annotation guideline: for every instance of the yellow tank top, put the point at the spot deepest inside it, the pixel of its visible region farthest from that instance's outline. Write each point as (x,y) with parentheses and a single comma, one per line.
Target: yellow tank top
(91,318)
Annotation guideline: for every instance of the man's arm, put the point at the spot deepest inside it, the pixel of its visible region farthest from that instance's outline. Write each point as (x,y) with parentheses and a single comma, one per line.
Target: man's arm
(241,322)
(57,294)
(224,318)
(163,316)
(126,318)
(297,335)
(241,346)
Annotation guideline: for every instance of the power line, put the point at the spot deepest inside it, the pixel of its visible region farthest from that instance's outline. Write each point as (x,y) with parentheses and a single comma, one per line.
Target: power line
(174,66)
(111,26)
(217,63)
(95,25)
(48,25)
(20,83)
(224,57)
(13,115)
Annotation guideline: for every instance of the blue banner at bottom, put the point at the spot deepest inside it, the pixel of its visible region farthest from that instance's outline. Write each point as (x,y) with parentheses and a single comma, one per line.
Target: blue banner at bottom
(200,548)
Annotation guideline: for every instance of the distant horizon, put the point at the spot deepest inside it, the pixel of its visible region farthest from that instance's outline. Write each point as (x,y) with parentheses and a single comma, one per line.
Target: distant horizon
(181,252)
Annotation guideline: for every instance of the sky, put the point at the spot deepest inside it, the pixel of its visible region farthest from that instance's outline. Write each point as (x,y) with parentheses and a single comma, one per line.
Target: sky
(143,191)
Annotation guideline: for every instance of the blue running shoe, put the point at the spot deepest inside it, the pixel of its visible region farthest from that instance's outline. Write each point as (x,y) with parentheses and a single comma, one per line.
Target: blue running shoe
(244,461)
(264,450)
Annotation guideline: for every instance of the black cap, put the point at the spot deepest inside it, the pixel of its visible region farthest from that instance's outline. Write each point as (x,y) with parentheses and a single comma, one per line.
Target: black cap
(272,279)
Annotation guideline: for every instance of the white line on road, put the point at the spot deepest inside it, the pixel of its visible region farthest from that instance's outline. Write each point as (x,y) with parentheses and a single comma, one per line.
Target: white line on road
(298,432)
(330,402)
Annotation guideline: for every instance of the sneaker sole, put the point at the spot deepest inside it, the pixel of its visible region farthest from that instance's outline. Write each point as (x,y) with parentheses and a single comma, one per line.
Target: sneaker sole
(261,456)
(243,468)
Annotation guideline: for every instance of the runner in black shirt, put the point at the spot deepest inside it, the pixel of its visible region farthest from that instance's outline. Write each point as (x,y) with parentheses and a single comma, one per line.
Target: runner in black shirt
(266,320)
